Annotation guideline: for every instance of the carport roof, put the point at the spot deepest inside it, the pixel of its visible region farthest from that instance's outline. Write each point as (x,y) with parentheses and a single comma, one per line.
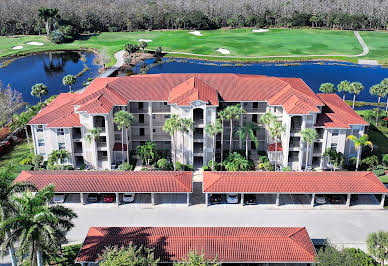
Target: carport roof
(292,182)
(226,244)
(110,181)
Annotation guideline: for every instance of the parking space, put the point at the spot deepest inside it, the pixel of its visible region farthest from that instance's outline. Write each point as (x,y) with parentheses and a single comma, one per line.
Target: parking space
(265,200)
(171,199)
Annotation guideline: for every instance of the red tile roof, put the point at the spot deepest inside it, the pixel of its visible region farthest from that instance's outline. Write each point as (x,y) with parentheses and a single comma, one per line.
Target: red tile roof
(336,113)
(110,181)
(272,147)
(225,244)
(292,182)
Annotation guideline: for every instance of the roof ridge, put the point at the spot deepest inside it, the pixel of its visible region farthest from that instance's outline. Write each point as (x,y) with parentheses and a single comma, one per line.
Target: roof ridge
(216,179)
(300,229)
(176,175)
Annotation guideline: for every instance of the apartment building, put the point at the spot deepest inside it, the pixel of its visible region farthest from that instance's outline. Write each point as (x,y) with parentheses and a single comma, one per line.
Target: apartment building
(152,99)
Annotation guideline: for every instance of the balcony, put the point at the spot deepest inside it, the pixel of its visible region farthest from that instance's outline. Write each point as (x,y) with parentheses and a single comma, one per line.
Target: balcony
(101,144)
(160,108)
(140,138)
(76,134)
(198,148)
(157,137)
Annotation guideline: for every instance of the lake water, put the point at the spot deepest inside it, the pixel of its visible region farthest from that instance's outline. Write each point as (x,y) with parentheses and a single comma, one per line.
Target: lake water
(313,73)
(47,68)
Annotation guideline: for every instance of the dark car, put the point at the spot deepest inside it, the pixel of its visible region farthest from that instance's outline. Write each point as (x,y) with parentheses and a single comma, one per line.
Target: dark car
(250,199)
(215,198)
(92,197)
(109,198)
(337,199)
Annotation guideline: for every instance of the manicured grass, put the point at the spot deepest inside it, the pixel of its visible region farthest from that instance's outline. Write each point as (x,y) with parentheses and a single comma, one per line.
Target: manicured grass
(378,45)
(384,179)
(378,136)
(18,153)
(240,42)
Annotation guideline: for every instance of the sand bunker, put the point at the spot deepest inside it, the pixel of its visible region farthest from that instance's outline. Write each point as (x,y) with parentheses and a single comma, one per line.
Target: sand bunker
(196,33)
(35,43)
(260,30)
(19,47)
(223,51)
(144,40)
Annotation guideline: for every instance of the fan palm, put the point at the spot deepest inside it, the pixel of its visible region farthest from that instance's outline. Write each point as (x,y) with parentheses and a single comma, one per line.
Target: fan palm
(309,135)
(37,227)
(233,112)
(212,130)
(222,117)
(384,85)
(185,127)
(171,126)
(276,130)
(327,88)
(356,88)
(379,91)
(360,142)
(69,80)
(38,90)
(344,87)
(246,132)
(123,120)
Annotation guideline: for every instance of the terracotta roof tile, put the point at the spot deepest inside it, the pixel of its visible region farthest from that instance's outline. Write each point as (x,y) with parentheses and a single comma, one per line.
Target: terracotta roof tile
(292,182)
(110,181)
(225,244)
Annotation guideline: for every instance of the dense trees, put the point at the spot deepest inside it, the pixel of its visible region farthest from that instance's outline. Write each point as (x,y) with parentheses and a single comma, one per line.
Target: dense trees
(21,17)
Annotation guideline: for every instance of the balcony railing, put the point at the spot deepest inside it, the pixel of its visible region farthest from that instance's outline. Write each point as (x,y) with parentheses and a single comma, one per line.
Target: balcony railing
(161,137)
(295,144)
(296,129)
(101,144)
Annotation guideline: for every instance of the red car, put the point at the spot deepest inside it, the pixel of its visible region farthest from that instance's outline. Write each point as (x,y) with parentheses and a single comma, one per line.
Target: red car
(109,198)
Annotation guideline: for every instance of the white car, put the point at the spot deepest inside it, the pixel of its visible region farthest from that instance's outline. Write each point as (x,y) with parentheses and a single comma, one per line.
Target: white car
(59,198)
(128,197)
(232,198)
(320,199)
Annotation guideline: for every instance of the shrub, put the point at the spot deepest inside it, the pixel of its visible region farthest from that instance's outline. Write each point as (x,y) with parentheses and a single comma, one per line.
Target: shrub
(371,162)
(66,256)
(216,165)
(126,167)
(163,164)
(380,170)
(179,166)
(206,168)
(57,36)
(385,160)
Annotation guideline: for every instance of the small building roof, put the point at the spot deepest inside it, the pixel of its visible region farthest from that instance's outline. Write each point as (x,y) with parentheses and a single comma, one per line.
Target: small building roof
(225,244)
(292,182)
(110,181)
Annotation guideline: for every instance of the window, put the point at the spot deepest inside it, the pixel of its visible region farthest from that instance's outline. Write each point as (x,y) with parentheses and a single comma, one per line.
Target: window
(153,116)
(166,116)
(39,128)
(255,105)
(334,133)
(141,119)
(165,103)
(153,130)
(40,142)
(43,154)
(61,146)
(141,132)
(334,146)
(60,131)
(140,105)
(254,118)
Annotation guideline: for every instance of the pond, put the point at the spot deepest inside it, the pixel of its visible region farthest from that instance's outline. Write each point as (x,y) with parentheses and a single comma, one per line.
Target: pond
(48,68)
(313,73)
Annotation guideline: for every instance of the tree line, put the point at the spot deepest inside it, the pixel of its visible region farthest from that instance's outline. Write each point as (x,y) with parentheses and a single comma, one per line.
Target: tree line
(89,16)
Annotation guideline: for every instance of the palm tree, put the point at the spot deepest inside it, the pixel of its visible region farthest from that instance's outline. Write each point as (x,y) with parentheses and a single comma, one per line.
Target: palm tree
(56,156)
(356,88)
(222,117)
(246,132)
(37,227)
(147,152)
(379,91)
(344,87)
(276,130)
(20,121)
(69,80)
(377,244)
(171,126)
(233,112)
(336,159)
(309,135)
(384,85)
(212,130)
(185,127)
(93,135)
(327,88)
(38,90)
(7,189)
(359,143)
(123,120)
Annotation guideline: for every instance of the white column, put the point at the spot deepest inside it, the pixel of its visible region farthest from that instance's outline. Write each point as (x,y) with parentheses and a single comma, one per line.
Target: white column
(117,199)
(153,198)
(242,199)
(188,199)
(382,200)
(348,200)
(277,200)
(312,200)
(150,120)
(82,198)
(207,199)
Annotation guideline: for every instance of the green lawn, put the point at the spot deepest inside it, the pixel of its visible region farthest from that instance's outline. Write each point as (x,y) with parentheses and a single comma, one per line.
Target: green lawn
(378,136)
(384,179)
(378,45)
(240,42)
(14,157)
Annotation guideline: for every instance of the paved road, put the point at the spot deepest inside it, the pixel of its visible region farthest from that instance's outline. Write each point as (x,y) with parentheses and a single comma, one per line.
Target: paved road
(344,227)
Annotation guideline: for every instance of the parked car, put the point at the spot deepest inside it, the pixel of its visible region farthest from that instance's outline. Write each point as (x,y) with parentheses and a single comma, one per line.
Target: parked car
(337,199)
(93,197)
(250,199)
(320,199)
(232,198)
(59,198)
(108,198)
(215,198)
(128,197)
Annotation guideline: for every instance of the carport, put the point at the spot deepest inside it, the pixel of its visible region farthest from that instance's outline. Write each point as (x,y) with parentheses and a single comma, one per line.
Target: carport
(148,185)
(299,189)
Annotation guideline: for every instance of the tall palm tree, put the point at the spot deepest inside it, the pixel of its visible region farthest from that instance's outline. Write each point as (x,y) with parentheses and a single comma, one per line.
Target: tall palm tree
(171,126)
(344,87)
(233,112)
(309,135)
(92,136)
(56,156)
(7,189)
(356,88)
(384,85)
(69,80)
(185,127)
(123,120)
(222,117)
(212,130)
(360,142)
(38,90)
(20,121)
(37,227)
(246,132)
(379,91)
(327,87)
(276,130)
